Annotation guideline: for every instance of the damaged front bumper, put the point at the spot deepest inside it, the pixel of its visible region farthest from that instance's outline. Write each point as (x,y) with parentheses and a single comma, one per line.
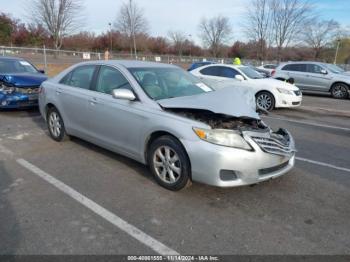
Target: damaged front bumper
(272,156)
(18,99)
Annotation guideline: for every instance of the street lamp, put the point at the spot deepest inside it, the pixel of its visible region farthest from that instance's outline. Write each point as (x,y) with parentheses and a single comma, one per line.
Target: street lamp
(337,50)
(110,35)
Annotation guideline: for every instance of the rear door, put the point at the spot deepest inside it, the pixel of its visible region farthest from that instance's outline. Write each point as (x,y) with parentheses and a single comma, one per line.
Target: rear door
(73,95)
(298,72)
(316,80)
(115,123)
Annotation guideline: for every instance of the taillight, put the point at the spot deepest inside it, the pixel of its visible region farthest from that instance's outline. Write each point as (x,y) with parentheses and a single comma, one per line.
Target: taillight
(273,72)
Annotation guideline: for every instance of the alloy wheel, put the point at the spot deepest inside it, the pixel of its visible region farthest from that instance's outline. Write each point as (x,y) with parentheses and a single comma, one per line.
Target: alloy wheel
(339,91)
(55,124)
(264,101)
(167,164)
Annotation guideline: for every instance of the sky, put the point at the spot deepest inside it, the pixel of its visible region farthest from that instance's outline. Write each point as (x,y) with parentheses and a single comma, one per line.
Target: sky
(182,15)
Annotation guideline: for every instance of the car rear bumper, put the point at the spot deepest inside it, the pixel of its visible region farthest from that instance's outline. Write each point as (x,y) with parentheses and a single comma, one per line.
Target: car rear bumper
(230,167)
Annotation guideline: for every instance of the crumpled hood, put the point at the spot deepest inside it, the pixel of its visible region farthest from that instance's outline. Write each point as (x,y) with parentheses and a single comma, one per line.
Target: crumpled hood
(236,102)
(23,79)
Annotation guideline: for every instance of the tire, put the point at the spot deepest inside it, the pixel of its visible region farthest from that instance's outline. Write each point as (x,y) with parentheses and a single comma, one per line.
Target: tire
(169,163)
(340,91)
(265,100)
(55,125)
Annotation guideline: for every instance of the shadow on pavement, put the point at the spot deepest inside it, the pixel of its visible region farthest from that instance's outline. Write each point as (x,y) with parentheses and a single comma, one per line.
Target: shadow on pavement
(10,232)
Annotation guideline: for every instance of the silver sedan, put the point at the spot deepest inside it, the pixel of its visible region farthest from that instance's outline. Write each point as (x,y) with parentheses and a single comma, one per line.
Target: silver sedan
(166,118)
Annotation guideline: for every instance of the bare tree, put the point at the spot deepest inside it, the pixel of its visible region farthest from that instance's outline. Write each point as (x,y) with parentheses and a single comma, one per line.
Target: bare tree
(131,22)
(289,17)
(318,34)
(215,32)
(59,17)
(178,40)
(257,24)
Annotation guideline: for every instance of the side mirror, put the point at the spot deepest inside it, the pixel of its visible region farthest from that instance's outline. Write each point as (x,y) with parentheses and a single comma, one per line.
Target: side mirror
(239,77)
(124,94)
(324,72)
(42,71)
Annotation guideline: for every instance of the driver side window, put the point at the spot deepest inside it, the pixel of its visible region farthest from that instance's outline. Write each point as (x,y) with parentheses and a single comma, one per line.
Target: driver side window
(109,79)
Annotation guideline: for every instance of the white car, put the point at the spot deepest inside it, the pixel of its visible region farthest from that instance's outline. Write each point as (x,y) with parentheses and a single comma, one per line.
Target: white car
(269,93)
(268,67)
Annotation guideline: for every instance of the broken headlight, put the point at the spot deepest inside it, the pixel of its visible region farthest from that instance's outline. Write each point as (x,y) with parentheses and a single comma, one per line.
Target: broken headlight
(222,137)
(6,89)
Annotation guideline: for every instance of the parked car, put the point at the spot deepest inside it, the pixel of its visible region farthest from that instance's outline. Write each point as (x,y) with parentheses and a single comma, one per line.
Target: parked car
(262,72)
(166,118)
(269,93)
(199,64)
(315,76)
(19,83)
(268,68)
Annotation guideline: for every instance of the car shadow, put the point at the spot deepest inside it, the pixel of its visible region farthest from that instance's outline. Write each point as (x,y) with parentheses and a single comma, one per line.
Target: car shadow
(10,230)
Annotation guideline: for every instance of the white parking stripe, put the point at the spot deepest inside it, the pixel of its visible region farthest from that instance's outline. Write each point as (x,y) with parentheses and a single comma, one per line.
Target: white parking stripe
(323,164)
(308,123)
(99,210)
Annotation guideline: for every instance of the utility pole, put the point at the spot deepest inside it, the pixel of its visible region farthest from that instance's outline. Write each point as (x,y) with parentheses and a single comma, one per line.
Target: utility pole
(336,52)
(110,37)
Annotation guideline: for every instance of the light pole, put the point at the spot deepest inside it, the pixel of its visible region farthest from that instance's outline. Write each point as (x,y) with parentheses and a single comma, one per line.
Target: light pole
(190,36)
(110,36)
(337,50)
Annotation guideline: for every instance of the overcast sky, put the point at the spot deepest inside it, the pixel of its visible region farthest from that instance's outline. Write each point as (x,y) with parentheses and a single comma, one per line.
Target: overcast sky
(184,15)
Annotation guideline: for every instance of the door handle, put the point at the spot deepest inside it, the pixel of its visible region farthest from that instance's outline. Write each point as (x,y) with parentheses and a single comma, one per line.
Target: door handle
(93,101)
(59,91)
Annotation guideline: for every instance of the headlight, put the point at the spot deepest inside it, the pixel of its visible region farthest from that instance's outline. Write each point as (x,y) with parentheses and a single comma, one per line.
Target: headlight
(222,137)
(7,89)
(285,91)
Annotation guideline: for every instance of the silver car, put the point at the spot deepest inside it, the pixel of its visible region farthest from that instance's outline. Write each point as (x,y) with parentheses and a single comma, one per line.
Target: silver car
(315,76)
(164,117)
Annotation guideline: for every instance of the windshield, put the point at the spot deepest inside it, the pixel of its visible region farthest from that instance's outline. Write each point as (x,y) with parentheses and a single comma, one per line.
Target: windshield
(334,69)
(16,66)
(250,73)
(163,83)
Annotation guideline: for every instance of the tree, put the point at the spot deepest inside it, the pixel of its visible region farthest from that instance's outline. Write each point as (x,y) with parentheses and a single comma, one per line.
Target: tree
(131,22)
(178,40)
(319,33)
(289,18)
(257,24)
(6,28)
(215,32)
(59,17)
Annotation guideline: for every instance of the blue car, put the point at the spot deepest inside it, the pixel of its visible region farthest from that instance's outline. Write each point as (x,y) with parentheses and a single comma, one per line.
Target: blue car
(199,64)
(19,83)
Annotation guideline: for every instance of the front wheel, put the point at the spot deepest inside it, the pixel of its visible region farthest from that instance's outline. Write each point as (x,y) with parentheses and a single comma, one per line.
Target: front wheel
(265,100)
(55,125)
(340,91)
(169,163)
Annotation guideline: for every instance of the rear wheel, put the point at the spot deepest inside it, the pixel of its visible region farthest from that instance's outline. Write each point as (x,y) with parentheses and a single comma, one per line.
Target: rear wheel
(169,163)
(55,125)
(265,100)
(340,91)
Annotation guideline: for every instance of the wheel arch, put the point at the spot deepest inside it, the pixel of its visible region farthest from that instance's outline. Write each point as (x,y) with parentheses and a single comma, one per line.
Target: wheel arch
(339,82)
(155,135)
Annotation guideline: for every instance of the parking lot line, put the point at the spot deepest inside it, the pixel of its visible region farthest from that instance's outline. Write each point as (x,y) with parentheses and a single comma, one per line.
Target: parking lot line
(131,230)
(308,123)
(323,164)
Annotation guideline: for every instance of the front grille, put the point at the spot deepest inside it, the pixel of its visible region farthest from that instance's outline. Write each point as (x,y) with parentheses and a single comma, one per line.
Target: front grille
(267,171)
(274,145)
(297,93)
(295,103)
(31,90)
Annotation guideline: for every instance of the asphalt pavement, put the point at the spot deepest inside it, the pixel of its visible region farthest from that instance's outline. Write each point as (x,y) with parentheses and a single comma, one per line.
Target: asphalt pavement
(77,198)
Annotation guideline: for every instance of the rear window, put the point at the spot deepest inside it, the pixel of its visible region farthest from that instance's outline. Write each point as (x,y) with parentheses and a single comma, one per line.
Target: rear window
(211,71)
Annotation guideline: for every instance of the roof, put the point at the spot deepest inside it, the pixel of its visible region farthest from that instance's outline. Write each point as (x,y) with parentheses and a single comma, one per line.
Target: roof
(10,58)
(131,63)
